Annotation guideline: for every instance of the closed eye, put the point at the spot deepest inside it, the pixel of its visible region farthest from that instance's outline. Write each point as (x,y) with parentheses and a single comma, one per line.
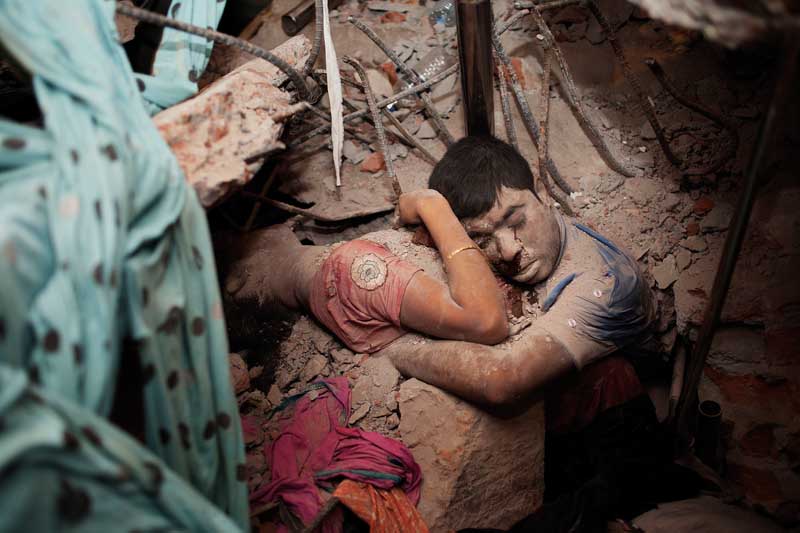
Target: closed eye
(516,222)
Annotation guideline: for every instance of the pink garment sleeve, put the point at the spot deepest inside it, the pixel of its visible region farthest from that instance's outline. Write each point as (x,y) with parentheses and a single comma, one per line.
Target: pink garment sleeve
(358,293)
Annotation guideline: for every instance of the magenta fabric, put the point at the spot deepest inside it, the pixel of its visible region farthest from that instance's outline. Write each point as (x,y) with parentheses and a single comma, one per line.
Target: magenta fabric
(314,447)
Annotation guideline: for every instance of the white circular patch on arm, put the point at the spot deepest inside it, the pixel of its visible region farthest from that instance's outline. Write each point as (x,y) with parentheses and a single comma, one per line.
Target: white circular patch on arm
(368,271)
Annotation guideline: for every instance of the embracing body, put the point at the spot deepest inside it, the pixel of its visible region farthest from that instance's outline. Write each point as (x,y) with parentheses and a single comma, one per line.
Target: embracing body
(607,454)
(481,210)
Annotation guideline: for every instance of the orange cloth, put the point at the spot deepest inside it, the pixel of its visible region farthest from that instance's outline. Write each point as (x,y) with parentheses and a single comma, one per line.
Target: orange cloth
(386,511)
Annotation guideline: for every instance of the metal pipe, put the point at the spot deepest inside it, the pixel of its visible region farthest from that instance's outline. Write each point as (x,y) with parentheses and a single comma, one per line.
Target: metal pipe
(474,22)
(378,123)
(645,104)
(383,103)
(724,122)
(543,6)
(706,445)
(301,14)
(733,242)
(525,111)
(412,77)
(213,35)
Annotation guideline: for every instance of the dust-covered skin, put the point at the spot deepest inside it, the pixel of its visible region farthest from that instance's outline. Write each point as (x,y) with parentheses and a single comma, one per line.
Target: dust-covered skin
(529,242)
(274,268)
(467,306)
(520,235)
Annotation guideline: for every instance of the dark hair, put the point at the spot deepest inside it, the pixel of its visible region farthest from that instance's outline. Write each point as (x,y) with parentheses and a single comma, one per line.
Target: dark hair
(474,169)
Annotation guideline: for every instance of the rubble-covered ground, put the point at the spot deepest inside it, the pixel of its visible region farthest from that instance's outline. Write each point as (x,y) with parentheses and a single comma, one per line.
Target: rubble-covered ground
(675,225)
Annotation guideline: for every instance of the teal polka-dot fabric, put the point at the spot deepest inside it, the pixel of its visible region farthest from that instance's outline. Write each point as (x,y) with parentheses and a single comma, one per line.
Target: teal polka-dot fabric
(67,469)
(104,255)
(181,57)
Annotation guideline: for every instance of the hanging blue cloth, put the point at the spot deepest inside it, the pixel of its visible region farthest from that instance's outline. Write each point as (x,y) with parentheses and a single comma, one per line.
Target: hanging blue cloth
(102,240)
(181,57)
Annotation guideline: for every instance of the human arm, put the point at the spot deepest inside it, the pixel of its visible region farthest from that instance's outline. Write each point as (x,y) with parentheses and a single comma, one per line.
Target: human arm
(470,307)
(486,375)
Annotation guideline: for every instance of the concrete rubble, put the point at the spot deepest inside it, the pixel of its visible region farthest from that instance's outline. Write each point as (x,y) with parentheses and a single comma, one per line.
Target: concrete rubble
(240,115)
(480,471)
(674,224)
(458,446)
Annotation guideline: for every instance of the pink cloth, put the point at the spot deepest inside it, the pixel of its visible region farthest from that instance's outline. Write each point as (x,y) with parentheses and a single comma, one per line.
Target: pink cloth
(314,447)
(358,292)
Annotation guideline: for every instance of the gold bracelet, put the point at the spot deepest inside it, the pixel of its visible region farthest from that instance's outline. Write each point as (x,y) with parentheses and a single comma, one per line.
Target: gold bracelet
(451,255)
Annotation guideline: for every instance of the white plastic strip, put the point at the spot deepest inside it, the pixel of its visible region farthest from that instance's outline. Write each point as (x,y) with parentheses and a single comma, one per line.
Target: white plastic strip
(334,93)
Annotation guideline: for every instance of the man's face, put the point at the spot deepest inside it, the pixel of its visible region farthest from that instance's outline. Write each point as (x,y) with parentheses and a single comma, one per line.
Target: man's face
(519,235)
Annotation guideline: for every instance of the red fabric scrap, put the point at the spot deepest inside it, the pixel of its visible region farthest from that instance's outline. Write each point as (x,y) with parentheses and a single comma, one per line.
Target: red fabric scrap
(314,448)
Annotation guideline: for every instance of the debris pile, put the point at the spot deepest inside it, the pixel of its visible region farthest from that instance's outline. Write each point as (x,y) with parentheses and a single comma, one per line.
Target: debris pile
(652,157)
(458,446)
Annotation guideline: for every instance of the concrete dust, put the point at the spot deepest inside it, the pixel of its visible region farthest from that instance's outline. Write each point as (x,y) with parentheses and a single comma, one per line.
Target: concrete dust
(658,214)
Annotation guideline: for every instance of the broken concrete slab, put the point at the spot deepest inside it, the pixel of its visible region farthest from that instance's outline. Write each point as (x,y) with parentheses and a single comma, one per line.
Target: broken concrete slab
(342,356)
(570,15)
(261,32)
(379,83)
(378,379)
(695,243)
(683,258)
(353,152)
(717,219)
(426,130)
(398,151)
(642,191)
(446,95)
(666,272)
(594,32)
(703,205)
(590,183)
(412,123)
(646,132)
(242,114)
(479,470)
(610,182)
(314,368)
(616,11)
(360,412)
(374,162)
(570,33)
(671,202)
(274,395)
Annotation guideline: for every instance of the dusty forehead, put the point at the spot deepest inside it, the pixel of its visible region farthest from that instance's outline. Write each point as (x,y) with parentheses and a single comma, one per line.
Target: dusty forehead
(506,198)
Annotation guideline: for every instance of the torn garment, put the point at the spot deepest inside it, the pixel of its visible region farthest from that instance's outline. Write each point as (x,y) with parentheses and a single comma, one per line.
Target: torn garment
(102,240)
(314,448)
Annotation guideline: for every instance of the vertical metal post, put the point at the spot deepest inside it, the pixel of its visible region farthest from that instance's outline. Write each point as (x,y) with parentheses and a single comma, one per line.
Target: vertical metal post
(474,20)
(784,89)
